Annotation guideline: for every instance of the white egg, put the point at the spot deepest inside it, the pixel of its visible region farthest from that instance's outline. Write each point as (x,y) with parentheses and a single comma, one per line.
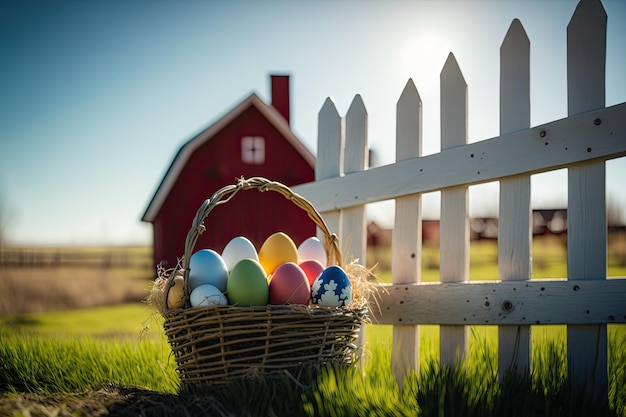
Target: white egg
(237,249)
(312,248)
(207,295)
(207,267)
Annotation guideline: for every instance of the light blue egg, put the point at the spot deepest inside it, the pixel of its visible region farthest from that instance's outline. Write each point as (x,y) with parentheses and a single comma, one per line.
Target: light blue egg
(207,267)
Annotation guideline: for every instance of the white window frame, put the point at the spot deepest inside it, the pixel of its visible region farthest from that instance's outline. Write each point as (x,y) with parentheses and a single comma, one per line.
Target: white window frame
(253,150)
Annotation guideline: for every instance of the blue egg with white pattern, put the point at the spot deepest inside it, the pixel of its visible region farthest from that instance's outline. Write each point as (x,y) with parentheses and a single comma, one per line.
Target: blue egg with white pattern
(331,288)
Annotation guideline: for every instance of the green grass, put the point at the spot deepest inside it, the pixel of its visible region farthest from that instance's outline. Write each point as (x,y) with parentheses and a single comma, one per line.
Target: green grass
(128,321)
(67,365)
(35,359)
(62,365)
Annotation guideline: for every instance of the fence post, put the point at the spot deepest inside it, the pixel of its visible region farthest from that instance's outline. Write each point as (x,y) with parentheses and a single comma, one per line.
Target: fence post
(354,234)
(514,225)
(587,240)
(454,229)
(406,246)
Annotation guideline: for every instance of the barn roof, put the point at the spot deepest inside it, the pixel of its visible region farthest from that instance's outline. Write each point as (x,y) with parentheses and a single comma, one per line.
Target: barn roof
(185,152)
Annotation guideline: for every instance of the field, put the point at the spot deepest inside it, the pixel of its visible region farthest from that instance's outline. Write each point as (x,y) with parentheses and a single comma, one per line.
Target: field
(112,357)
(51,279)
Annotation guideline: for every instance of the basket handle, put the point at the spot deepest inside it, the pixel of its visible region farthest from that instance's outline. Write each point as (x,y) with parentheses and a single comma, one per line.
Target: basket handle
(222,196)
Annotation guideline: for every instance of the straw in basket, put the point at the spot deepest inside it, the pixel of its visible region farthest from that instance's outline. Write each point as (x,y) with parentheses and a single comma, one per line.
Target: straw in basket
(218,343)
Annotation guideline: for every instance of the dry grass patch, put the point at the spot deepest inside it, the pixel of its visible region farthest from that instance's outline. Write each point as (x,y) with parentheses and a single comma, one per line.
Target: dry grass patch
(34,290)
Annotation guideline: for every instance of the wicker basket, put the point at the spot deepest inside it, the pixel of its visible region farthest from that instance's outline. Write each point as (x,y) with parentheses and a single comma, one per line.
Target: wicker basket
(218,343)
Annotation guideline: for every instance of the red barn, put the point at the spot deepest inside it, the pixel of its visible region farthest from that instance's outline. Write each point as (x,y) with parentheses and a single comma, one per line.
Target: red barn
(252,139)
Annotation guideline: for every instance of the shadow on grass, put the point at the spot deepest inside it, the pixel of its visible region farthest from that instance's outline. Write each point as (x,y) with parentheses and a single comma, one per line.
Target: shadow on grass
(111,400)
(438,391)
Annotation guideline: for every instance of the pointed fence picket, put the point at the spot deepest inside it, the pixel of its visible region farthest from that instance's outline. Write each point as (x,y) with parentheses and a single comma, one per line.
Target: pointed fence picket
(591,134)
(586,234)
(354,234)
(515,225)
(329,162)
(454,218)
(406,245)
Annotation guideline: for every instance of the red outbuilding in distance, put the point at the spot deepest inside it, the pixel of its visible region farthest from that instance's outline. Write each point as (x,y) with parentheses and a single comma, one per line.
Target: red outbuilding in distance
(252,139)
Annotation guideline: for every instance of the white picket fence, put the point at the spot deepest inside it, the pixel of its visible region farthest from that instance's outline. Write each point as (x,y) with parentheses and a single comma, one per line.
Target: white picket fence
(591,134)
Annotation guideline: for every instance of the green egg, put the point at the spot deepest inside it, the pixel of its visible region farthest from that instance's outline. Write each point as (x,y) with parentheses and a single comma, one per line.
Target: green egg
(247,284)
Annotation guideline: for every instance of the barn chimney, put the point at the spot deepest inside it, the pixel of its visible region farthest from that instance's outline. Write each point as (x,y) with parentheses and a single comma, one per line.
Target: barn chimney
(280,95)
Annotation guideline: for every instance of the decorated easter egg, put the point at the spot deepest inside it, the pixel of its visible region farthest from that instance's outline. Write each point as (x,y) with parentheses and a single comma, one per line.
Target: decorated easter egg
(312,269)
(312,248)
(207,295)
(277,250)
(175,295)
(247,284)
(207,267)
(332,288)
(237,249)
(289,285)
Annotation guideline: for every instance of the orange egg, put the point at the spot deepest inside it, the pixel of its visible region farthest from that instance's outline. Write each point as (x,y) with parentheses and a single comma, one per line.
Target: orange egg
(277,250)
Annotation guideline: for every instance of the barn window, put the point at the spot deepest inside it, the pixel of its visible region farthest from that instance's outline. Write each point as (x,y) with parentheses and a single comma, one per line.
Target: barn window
(253,150)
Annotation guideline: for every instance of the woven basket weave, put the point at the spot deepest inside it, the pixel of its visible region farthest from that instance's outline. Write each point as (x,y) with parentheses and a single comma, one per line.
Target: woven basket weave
(218,343)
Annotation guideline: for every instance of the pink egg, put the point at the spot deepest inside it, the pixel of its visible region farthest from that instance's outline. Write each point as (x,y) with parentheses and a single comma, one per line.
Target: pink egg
(289,285)
(312,269)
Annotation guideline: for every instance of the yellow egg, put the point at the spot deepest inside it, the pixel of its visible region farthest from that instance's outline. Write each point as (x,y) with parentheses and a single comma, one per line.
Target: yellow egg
(277,250)
(175,296)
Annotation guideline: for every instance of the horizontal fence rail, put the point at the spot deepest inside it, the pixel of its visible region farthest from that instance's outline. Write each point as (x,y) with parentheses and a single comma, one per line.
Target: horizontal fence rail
(599,134)
(503,302)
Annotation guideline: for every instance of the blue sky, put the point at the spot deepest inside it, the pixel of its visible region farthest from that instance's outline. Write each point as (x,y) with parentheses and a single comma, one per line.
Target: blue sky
(96,97)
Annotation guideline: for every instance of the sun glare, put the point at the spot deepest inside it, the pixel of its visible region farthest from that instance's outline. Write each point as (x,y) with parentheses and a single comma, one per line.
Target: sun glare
(424,54)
